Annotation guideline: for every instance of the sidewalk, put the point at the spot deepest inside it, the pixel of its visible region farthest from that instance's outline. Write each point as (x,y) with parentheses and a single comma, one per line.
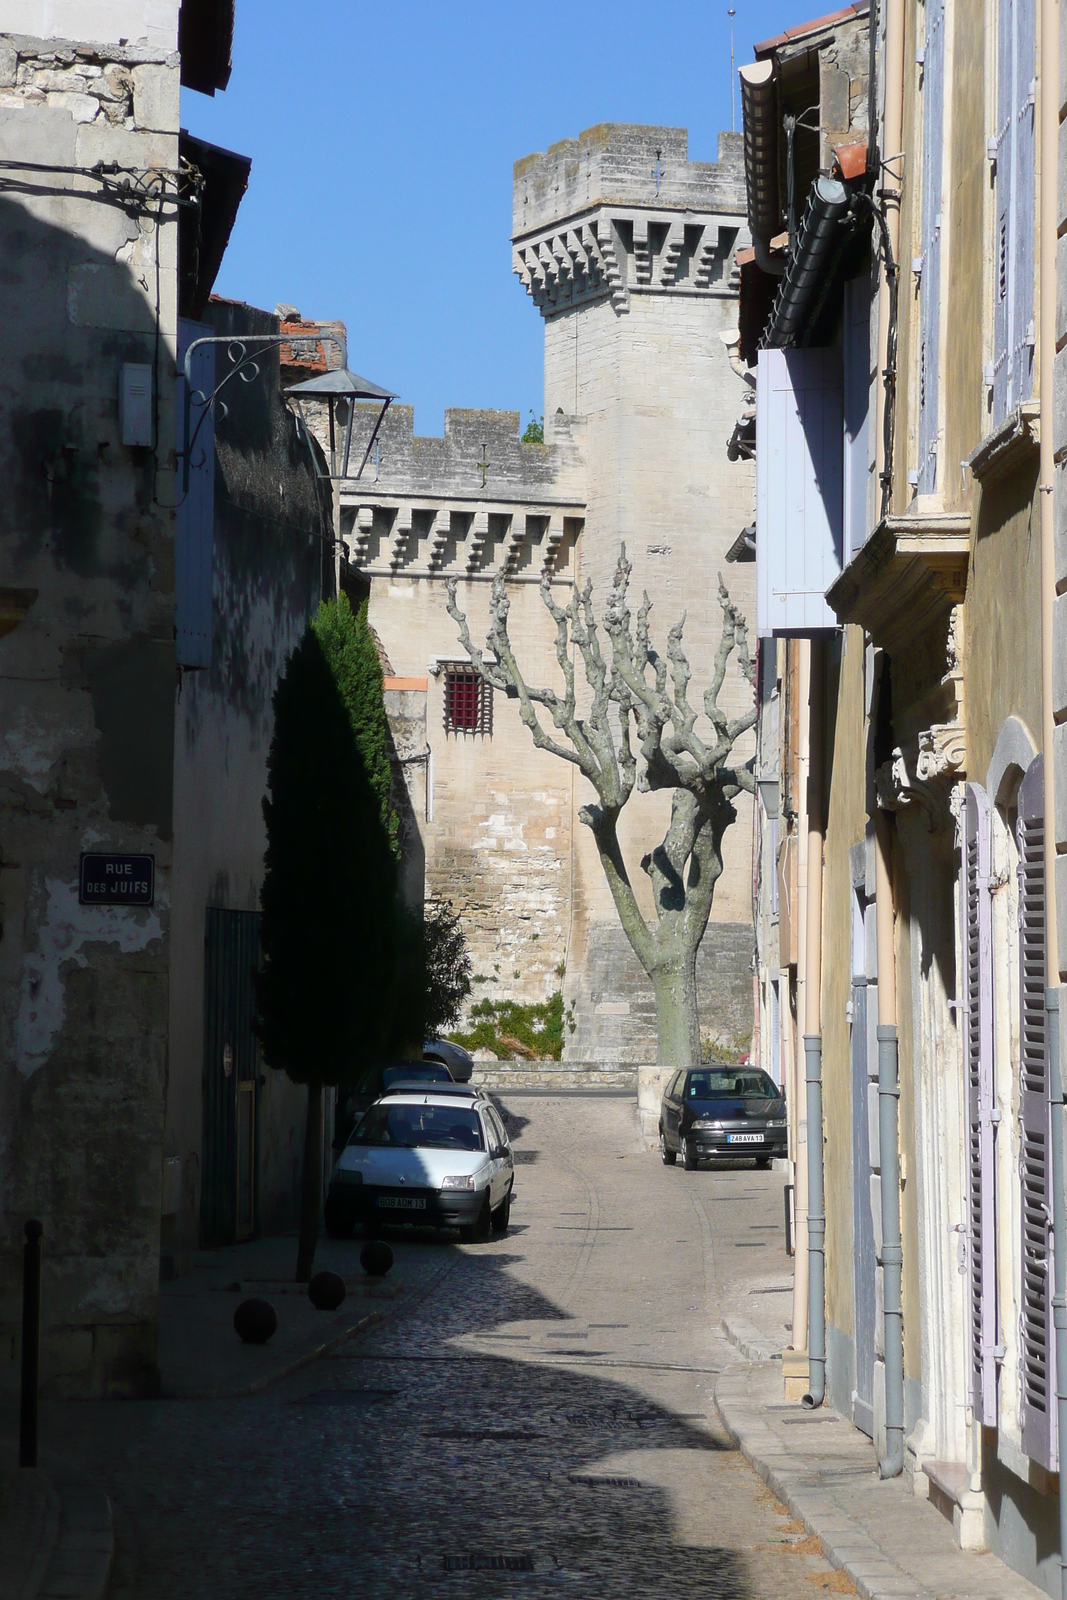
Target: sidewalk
(56,1540)
(891,1545)
(200,1355)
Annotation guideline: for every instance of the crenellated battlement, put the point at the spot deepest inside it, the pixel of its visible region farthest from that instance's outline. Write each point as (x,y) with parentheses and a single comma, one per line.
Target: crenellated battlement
(470,502)
(622,209)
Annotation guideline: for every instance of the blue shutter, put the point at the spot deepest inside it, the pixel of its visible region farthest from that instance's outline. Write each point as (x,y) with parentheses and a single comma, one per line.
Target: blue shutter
(977,973)
(857,399)
(1016,157)
(799,501)
(195,519)
(930,270)
(1024,112)
(1037,1347)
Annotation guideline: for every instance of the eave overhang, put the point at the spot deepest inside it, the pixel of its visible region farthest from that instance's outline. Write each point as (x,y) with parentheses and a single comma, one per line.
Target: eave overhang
(909,574)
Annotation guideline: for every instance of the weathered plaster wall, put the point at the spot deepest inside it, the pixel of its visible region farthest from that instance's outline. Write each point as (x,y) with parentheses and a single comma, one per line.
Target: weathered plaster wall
(267,562)
(86,706)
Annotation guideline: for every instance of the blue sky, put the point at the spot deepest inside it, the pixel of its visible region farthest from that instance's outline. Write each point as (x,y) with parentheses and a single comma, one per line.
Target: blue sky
(382,140)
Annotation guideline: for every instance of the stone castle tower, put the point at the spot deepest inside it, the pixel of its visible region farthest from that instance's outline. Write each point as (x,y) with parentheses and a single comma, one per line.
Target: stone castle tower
(629,251)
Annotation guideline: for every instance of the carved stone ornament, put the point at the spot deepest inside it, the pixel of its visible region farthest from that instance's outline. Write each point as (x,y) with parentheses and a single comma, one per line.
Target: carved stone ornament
(900,789)
(942,751)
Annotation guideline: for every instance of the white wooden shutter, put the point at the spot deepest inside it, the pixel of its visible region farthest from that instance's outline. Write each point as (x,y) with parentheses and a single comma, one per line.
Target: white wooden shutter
(1036,1340)
(930,270)
(799,503)
(856,397)
(1016,155)
(194,530)
(977,994)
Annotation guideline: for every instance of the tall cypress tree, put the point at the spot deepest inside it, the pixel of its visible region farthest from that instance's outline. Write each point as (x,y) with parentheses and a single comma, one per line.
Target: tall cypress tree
(348,645)
(325,992)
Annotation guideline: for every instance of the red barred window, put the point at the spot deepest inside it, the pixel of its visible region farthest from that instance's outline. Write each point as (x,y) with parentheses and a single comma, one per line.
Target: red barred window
(468,702)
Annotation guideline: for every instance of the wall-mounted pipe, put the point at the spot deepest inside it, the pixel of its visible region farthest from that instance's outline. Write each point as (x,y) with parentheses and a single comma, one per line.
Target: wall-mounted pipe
(892,1463)
(816,1391)
(1048,217)
(759,119)
(889,191)
(797,1091)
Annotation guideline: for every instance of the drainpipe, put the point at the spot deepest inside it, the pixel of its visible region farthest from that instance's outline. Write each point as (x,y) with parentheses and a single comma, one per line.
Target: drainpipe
(892,1463)
(797,1090)
(890,179)
(1048,147)
(813,1039)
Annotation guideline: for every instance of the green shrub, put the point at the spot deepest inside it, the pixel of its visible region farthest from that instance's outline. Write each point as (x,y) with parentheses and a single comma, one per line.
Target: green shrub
(509,1029)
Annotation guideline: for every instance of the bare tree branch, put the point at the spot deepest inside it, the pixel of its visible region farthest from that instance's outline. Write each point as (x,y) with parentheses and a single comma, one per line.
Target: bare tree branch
(652,691)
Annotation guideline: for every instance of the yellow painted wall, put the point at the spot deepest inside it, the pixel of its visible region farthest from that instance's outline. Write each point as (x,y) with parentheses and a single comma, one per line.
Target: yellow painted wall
(846,824)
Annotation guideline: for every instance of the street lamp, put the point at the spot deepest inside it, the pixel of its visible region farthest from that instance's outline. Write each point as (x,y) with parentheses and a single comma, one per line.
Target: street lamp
(340,389)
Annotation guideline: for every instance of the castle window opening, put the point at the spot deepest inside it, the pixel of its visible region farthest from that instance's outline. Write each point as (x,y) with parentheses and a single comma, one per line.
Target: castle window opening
(468,702)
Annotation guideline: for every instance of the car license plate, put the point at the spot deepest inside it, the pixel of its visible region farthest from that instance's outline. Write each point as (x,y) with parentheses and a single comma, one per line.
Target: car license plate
(396,1202)
(744,1138)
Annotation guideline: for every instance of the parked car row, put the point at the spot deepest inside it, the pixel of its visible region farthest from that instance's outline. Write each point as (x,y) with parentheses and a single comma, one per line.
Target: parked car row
(721,1110)
(421,1149)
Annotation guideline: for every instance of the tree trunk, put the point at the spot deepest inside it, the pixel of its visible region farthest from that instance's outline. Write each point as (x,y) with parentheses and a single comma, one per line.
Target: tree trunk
(674,982)
(311,1187)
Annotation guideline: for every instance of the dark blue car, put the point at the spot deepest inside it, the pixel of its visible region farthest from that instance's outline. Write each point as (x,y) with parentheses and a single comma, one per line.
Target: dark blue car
(721,1111)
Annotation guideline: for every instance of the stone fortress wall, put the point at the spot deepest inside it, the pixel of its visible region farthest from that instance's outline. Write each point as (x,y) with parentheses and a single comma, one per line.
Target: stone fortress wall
(628,250)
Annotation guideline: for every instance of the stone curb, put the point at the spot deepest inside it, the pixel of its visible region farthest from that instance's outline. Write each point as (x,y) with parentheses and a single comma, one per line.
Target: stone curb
(845,1542)
(271,1378)
(369,1320)
(846,1545)
(753,1345)
(75,1540)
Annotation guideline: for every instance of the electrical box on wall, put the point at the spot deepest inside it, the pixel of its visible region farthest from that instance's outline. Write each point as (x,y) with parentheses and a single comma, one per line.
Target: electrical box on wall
(135,404)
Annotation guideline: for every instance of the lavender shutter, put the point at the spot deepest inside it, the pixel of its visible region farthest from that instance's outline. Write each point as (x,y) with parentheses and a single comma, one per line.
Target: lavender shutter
(1004,156)
(1024,115)
(930,270)
(799,499)
(1037,1351)
(194,529)
(977,973)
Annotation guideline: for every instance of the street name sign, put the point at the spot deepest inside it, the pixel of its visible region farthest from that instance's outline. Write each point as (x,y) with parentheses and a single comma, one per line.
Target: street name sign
(116,880)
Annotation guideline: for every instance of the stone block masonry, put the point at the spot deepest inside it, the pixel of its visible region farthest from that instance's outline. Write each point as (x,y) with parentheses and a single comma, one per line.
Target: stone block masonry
(628,249)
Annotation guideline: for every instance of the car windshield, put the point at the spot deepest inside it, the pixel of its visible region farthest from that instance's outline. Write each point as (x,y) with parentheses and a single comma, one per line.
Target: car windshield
(420,1128)
(415,1072)
(719,1083)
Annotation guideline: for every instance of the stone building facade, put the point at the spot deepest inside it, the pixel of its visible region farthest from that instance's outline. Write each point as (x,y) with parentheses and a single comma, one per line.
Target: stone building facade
(145,613)
(628,250)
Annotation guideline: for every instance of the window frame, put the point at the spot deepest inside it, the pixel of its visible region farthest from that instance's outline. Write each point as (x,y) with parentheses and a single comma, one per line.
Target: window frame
(456,672)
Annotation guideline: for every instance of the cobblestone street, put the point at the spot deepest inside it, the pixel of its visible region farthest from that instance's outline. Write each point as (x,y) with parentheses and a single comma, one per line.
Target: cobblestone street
(542,1422)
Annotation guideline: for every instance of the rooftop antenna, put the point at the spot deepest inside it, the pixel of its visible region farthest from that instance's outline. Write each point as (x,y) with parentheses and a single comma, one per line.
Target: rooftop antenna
(732,13)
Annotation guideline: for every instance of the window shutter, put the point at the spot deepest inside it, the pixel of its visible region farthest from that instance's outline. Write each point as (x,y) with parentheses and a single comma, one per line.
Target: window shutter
(1016,156)
(1024,112)
(1036,1341)
(930,280)
(856,395)
(977,972)
(799,503)
(1004,155)
(194,531)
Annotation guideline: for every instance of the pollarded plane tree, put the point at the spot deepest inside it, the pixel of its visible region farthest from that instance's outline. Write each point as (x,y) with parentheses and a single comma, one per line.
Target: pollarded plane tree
(640,731)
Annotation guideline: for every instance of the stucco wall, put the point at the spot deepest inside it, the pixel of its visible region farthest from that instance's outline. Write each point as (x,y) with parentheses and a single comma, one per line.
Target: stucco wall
(86,710)
(267,563)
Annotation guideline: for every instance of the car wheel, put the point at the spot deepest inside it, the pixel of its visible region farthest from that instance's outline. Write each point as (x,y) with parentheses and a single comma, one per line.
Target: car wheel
(667,1156)
(477,1232)
(689,1160)
(763,1163)
(502,1215)
(337,1219)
